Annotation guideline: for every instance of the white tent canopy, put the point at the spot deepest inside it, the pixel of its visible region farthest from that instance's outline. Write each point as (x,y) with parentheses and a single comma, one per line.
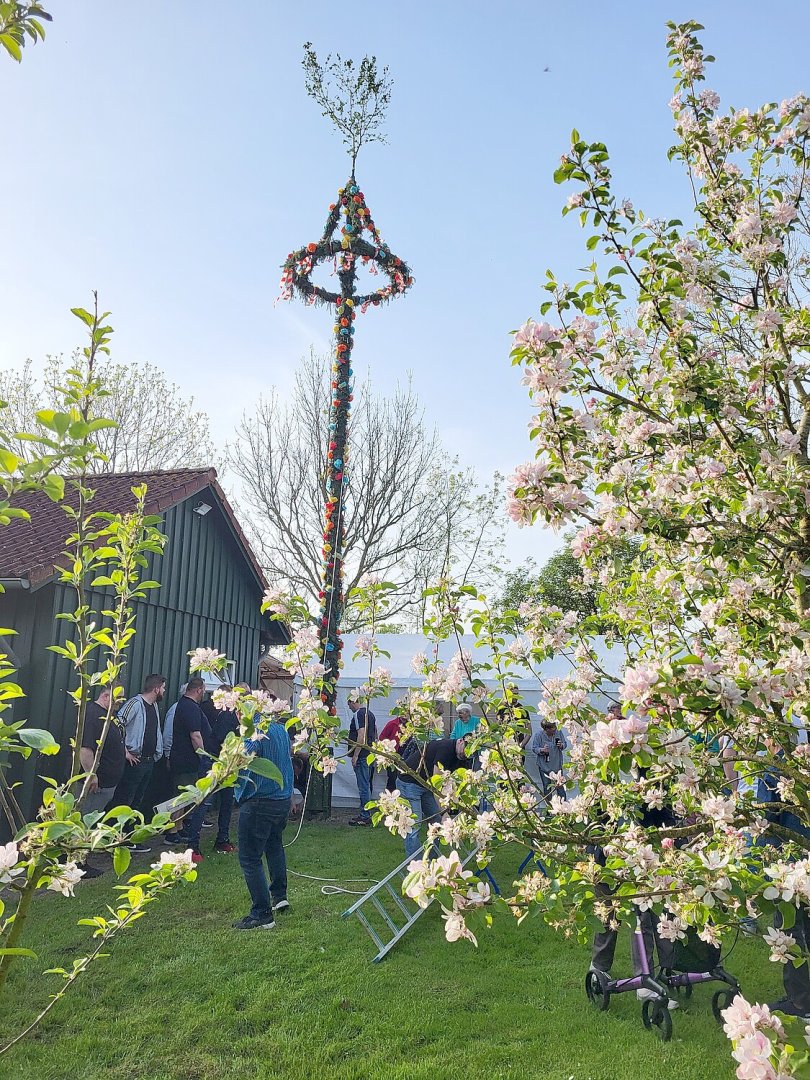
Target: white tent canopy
(401,649)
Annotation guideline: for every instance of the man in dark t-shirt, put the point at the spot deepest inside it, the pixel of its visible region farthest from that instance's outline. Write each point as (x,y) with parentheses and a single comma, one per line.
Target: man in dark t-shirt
(186,766)
(223,722)
(112,760)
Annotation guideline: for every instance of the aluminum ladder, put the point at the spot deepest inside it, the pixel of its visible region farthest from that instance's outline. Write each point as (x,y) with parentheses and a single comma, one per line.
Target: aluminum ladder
(390,914)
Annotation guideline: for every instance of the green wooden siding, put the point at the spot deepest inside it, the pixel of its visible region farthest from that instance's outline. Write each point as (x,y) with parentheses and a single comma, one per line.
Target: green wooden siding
(208,597)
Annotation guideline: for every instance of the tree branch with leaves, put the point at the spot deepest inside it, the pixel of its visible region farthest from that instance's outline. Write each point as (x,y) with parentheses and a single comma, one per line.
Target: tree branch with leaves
(354,97)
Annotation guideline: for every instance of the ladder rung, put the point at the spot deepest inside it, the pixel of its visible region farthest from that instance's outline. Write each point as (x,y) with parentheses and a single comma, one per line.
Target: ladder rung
(374,935)
(390,883)
(376,902)
(397,898)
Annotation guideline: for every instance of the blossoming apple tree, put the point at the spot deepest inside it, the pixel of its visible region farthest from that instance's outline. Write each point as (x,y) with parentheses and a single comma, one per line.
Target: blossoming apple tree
(671,396)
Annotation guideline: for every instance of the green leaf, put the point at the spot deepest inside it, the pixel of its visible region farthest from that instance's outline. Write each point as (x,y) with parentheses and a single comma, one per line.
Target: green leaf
(788,916)
(54,487)
(11,47)
(39,739)
(85,316)
(8,461)
(266,768)
(121,860)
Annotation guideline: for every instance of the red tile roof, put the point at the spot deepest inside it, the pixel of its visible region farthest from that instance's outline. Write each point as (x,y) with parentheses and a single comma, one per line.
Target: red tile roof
(30,549)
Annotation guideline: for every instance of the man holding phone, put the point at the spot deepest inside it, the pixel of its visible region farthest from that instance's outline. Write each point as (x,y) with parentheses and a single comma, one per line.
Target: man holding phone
(549,746)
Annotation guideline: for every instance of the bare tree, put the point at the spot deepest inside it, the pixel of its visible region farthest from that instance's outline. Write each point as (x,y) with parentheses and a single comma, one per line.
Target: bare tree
(157,426)
(470,533)
(399,512)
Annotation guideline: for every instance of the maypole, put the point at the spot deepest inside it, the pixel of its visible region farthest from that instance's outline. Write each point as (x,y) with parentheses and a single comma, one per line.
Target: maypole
(350,240)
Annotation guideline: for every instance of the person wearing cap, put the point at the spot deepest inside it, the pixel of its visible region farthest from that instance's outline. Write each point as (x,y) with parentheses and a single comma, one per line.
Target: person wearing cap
(548,746)
(465,723)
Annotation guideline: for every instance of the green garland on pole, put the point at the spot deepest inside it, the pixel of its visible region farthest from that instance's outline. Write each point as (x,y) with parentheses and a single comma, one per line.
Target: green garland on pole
(346,250)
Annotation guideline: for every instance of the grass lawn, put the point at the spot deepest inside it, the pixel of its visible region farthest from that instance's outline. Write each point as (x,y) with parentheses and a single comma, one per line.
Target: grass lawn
(185,997)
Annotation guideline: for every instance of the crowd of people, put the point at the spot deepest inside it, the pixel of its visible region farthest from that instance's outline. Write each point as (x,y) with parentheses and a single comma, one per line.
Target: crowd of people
(144,762)
(549,746)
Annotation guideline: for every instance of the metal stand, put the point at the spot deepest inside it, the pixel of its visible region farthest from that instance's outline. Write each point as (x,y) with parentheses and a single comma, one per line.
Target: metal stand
(386,913)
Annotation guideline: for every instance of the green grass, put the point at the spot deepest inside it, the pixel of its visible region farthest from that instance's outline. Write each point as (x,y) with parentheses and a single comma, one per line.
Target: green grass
(185,997)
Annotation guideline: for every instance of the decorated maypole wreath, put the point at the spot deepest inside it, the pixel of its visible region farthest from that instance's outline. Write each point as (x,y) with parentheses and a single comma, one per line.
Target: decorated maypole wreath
(355,100)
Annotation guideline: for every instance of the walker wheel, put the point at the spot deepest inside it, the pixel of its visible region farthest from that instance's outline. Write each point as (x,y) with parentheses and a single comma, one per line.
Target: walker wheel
(597,987)
(654,1013)
(721,1000)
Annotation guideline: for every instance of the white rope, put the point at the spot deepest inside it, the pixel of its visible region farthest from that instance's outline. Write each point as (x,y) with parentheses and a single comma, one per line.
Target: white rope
(336,890)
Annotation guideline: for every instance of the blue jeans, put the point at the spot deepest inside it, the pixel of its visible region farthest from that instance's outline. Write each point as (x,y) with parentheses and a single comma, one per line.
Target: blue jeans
(425,808)
(550,788)
(362,772)
(261,825)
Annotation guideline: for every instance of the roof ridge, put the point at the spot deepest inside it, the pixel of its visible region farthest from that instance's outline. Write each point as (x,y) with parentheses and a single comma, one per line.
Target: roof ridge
(206,469)
(34,547)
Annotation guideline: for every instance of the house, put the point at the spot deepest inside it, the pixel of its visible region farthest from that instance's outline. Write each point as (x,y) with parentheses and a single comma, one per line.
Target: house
(210,592)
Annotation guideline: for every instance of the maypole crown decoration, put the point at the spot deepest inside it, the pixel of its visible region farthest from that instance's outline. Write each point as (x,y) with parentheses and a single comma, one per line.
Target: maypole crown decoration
(357,243)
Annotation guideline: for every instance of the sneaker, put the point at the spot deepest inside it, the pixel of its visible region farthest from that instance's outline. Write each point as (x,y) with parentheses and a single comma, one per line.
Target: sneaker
(281,905)
(266,922)
(138,849)
(650,995)
(196,857)
(174,838)
(208,824)
(90,872)
(786,1006)
(360,821)
(225,847)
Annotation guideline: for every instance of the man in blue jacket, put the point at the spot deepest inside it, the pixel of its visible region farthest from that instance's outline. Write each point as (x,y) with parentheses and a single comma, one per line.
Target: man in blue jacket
(264,807)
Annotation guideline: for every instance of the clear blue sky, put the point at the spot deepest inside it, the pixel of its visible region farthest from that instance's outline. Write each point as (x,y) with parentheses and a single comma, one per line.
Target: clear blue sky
(166,154)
